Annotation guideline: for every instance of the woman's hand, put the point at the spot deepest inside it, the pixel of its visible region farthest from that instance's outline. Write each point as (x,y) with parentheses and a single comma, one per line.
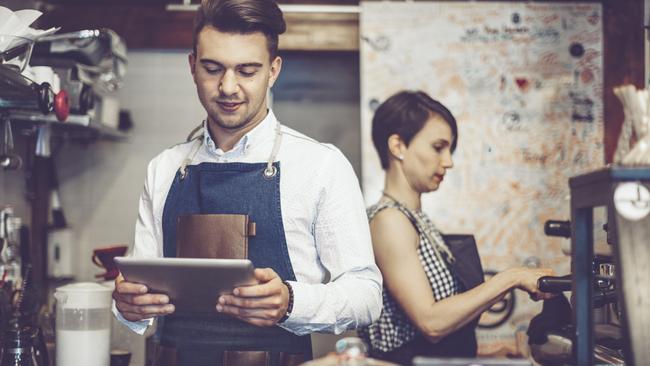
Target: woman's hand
(526,279)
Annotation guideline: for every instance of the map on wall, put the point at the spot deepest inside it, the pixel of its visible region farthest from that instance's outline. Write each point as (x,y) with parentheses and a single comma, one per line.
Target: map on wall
(524,81)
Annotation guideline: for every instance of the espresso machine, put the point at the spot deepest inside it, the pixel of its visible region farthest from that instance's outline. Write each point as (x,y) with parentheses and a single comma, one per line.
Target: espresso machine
(606,320)
(90,65)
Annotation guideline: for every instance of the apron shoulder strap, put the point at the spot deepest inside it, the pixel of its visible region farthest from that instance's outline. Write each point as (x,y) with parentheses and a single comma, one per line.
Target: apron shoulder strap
(196,129)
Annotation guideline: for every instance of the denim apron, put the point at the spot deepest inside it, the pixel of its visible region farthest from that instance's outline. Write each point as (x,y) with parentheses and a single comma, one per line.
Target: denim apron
(231,188)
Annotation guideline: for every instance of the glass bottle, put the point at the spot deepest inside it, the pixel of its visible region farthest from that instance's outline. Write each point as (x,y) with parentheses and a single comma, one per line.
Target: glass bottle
(351,351)
(10,271)
(18,346)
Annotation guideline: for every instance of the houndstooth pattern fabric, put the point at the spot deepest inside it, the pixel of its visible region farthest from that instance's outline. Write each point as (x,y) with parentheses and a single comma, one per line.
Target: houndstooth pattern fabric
(393,328)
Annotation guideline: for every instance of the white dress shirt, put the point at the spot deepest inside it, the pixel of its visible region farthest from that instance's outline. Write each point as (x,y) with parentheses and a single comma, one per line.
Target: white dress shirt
(338,285)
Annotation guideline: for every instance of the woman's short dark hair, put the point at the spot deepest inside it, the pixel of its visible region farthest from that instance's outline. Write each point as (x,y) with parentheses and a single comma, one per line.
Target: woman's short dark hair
(243,17)
(404,114)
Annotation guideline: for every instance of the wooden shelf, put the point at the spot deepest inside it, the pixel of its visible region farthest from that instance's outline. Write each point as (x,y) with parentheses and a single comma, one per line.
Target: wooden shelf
(75,122)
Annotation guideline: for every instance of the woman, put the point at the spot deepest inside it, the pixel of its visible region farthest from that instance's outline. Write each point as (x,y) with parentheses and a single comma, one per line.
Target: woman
(430,308)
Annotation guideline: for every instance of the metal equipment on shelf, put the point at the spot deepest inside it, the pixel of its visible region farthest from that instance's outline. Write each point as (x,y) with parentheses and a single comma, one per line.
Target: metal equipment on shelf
(624,192)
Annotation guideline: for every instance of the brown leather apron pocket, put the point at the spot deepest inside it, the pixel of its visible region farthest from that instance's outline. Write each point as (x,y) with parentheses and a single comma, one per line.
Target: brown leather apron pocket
(291,359)
(260,358)
(164,355)
(249,358)
(223,236)
(167,356)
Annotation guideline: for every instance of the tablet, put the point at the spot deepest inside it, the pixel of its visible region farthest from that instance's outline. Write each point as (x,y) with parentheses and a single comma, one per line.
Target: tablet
(192,284)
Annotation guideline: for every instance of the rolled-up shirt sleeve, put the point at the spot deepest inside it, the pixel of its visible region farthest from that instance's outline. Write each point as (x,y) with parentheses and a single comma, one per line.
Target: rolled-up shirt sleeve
(352,298)
(138,327)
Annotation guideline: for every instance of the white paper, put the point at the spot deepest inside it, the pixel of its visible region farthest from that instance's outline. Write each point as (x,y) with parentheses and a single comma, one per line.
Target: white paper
(17,23)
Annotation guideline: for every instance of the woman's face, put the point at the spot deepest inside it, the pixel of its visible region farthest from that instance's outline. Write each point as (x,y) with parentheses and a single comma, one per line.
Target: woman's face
(428,156)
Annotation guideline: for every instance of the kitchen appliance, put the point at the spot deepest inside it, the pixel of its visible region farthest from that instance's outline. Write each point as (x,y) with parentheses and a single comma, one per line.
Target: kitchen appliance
(19,93)
(90,65)
(94,56)
(609,319)
(23,345)
(83,324)
(551,334)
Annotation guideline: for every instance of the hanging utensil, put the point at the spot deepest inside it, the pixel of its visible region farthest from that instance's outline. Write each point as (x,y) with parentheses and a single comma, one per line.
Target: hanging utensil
(9,160)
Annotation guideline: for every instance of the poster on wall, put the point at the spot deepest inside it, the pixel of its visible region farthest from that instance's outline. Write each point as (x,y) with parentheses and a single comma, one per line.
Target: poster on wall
(524,81)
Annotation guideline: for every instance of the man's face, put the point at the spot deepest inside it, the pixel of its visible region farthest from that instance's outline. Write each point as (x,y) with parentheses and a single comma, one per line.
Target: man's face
(232,73)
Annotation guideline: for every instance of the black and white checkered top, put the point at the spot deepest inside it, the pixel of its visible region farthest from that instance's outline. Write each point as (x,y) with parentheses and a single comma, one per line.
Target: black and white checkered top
(393,328)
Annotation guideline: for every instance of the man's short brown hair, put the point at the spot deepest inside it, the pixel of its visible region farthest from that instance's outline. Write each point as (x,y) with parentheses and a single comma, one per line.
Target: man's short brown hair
(243,17)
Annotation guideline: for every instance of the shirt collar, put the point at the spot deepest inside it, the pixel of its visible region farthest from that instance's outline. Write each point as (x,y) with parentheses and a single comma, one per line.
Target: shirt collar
(261,132)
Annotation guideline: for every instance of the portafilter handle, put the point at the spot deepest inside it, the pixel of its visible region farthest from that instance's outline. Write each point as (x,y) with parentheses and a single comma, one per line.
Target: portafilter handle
(557,228)
(605,297)
(554,284)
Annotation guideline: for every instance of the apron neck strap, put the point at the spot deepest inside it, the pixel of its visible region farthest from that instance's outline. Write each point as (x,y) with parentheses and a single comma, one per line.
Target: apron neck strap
(269,172)
(188,159)
(196,129)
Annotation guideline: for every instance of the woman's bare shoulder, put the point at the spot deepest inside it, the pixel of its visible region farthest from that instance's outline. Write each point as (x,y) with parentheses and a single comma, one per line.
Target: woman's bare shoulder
(391,227)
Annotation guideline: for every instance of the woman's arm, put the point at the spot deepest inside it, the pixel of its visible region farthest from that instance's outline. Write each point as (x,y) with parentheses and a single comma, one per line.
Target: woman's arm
(395,243)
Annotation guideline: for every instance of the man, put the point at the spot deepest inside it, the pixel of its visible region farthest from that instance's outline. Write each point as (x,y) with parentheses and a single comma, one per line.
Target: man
(303,195)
